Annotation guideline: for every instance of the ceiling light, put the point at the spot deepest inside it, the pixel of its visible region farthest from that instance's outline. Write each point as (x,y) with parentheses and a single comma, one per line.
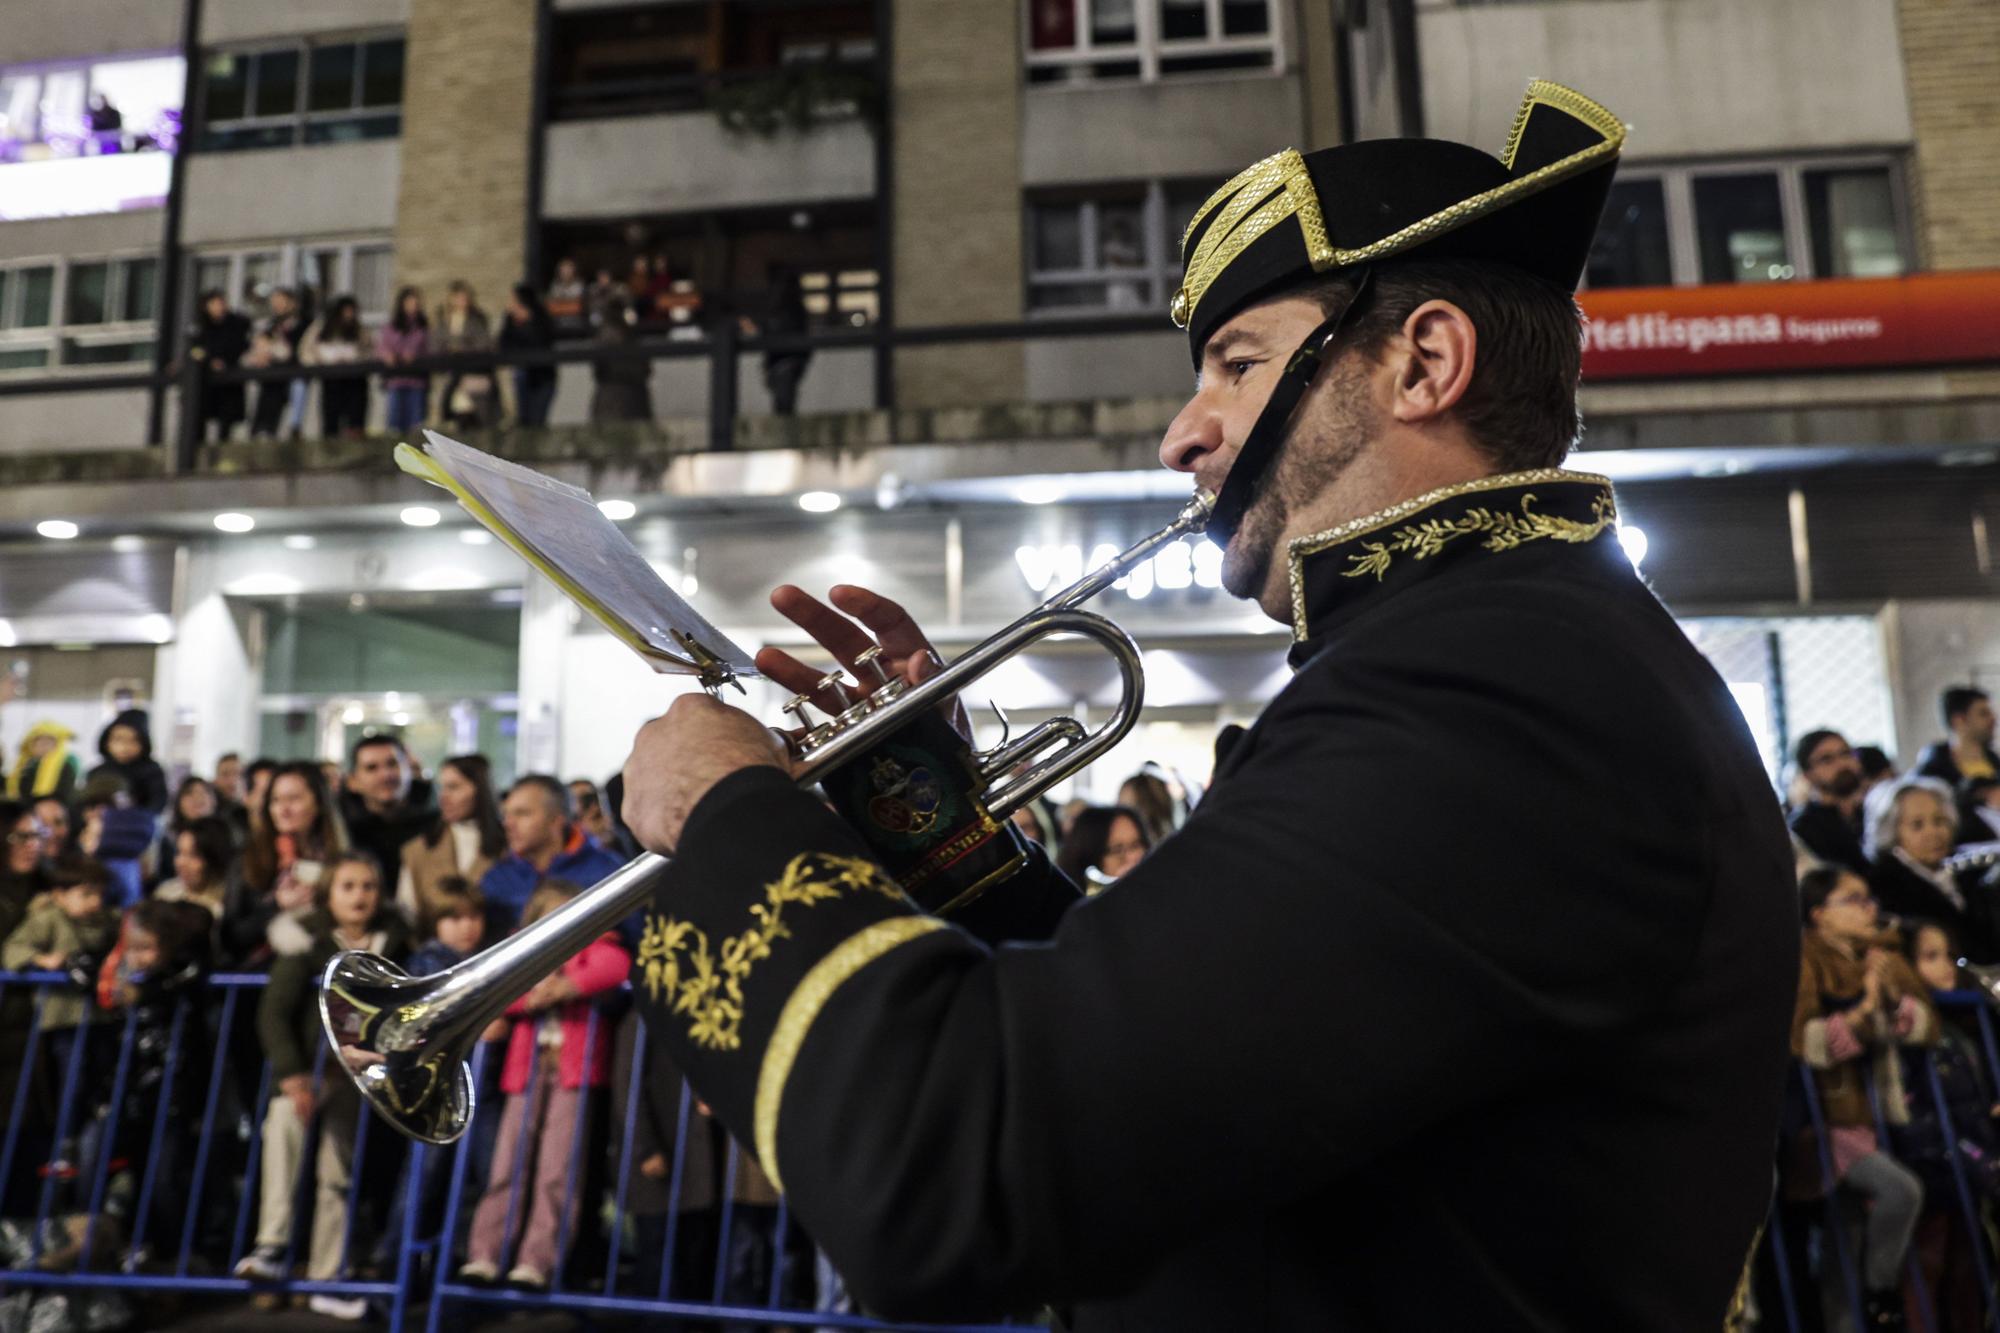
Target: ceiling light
(234,522)
(1039,493)
(301,541)
(421,516)
(819,502)
(617,510)
(399,719)
(58,529)
(127,544)
(476,537)
(351,715)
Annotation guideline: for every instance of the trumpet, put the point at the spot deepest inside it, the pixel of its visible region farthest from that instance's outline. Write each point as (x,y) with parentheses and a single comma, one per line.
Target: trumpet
(934,811)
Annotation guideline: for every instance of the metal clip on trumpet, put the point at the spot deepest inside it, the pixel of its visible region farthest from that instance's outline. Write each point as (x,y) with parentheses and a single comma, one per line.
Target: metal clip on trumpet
(934,811)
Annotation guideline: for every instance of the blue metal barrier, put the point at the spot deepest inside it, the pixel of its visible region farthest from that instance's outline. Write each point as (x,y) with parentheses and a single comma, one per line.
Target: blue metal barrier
(1971,1212)
(225,1171)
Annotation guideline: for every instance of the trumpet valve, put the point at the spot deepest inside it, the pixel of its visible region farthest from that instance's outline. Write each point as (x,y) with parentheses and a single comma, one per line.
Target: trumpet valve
(871,661)
(835,684)
(797,709)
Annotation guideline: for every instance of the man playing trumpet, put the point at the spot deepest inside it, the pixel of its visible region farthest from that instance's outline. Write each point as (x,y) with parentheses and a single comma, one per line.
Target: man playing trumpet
(1311,1065)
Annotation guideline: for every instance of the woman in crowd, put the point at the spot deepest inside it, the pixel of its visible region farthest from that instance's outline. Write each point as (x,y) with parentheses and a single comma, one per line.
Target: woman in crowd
(463,329)
(1944,1246)
(219,339)
(45,766)
(1103,843)
(406,341)
(1909,827)
(556,1053)
(463,843)
(203,860)
(350,913)
(1148,796)
(1858,1002)
(528,327)
(338,339)
(194,799)
(296,833)
(126,745)
(622,391)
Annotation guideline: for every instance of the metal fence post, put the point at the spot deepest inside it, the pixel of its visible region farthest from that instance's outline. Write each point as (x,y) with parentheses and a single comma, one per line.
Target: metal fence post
(722,387)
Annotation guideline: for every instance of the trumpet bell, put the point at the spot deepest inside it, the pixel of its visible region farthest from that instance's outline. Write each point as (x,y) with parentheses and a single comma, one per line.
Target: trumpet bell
(381,1021)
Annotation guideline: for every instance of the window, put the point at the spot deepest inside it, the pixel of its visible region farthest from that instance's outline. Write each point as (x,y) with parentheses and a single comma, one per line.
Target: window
(319,270)
(842,298)
(78,312)
(1073,41)
(1751,222)
(302,92)
(1107,248)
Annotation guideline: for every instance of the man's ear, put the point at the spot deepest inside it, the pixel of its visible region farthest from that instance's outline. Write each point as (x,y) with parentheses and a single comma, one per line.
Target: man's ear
(1439,348)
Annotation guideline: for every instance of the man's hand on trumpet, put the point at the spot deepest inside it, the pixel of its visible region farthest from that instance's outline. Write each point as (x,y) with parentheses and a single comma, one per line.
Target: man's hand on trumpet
(680,755)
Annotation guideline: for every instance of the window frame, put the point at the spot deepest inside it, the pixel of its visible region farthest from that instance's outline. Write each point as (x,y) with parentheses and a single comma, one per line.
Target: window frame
(299,118)
(291,260)
(1161,273)
(1148,49)
(1684,233)
(59,331)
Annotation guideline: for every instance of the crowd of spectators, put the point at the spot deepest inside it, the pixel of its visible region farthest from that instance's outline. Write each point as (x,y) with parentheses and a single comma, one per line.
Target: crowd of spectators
(1899,892)
(134,894)
(610,311)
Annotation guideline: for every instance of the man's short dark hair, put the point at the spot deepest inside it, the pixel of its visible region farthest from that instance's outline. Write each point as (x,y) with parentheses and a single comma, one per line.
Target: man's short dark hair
(557,792)
(80,872)
(372,740)
(1957,700)
(1812,740)
(1520,405)
(1875,762)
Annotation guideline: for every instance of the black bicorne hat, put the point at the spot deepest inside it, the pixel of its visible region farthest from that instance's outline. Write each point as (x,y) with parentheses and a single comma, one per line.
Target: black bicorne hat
(1292,217)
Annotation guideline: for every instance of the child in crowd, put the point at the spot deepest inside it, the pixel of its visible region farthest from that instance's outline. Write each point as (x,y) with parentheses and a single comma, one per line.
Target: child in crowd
(156,968)
(351,913)
(69,927)
(553,1058)
(1857,1002)
(458,929)
(204,852)
(126,745)
(45,765)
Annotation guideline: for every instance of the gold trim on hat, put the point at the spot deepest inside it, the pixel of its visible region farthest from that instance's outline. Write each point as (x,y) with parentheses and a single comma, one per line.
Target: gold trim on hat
(1237,226)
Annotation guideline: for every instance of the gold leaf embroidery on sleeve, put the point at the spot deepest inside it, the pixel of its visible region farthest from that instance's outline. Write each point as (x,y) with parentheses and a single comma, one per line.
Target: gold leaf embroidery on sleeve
(680,967)
(1503,532)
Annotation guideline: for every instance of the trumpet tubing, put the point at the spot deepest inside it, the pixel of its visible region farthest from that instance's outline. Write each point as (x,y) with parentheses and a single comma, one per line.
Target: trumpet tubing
(883,759)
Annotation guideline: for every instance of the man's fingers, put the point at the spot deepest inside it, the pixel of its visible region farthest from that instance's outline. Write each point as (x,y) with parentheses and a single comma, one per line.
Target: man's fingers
(887,620)
(781,668)
(830,629)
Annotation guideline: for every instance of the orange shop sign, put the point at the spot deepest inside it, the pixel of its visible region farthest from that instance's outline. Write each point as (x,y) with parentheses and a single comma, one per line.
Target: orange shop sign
(1923,319)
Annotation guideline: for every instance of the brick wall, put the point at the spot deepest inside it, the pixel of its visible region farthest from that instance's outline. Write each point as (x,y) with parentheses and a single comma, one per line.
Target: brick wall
(1951,49)
(957,107)
(466,107)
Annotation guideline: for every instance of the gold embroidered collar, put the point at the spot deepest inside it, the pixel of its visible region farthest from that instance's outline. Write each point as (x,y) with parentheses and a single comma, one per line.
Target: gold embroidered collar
(1501,512)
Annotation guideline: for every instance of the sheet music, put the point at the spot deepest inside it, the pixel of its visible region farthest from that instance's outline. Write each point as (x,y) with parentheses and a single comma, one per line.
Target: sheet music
(559,528)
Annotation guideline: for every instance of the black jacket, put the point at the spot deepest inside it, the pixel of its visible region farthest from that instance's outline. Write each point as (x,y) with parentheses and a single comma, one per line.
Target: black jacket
(1830,835)
(1309,1066)
(145,780)
(1902,892)
(1936,761)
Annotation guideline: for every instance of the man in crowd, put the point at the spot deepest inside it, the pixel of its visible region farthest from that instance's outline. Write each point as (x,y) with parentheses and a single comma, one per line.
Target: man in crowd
(542,843)
(383,804)
(1967,749)
(1308,1066)
(1829,823)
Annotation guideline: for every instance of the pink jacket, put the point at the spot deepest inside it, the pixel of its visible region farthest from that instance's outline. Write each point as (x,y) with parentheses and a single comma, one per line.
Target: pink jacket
(602,966)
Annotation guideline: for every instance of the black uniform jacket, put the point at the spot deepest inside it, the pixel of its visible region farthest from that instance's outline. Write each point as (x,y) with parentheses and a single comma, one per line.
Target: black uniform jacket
(1312,1065)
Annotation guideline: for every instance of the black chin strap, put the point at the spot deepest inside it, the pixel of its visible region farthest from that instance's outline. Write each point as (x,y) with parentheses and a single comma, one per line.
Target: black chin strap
(1260,448)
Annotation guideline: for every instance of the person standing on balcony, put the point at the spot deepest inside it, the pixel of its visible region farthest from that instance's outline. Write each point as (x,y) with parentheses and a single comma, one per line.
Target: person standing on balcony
(470,401)
(1309,1065)
(276,344)
(527,327)
(623,389)
(566,300)
(405,342)
(785,367)
(219,340)
(338,341)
